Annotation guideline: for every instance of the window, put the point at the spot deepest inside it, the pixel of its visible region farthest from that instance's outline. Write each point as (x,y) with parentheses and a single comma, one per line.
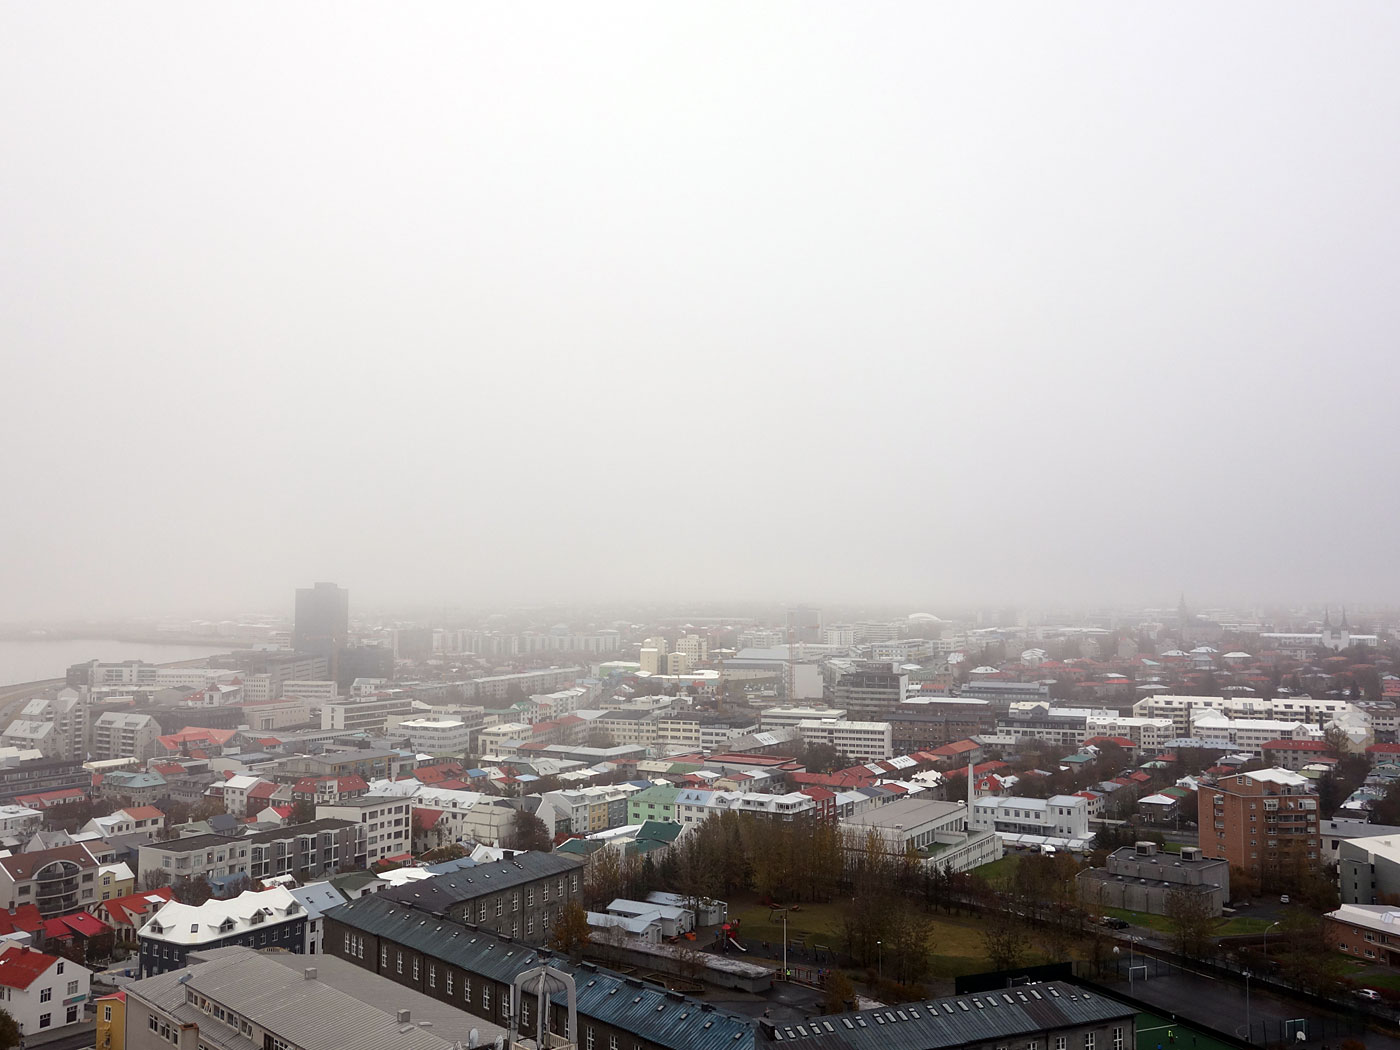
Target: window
(1088,1041)
(529,898)
(45,1020)
(46,995)
(529,926)
(481,912)
(515,901)
(60,968)
(588,1037)
(432,976)
(515,928)
(1061,1042)
(1118,1039)
(72,988)
(447,978)
(486,997)
(467,988)
(399,960)
(500,906)
(383,957)
(415,968)
(612,1041)
(106,1013)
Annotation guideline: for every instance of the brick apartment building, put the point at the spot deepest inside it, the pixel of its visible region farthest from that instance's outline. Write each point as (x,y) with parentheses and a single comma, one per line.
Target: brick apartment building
(1263,822)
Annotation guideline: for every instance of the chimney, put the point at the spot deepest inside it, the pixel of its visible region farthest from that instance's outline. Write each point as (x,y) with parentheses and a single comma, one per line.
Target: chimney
(402,1017)
(309,973)
(971,782)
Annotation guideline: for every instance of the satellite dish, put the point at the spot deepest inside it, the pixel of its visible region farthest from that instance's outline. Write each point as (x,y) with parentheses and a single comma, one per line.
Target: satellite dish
(473,1039)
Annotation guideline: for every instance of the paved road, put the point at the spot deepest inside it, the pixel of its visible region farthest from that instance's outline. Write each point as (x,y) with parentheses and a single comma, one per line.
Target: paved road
(70,1037)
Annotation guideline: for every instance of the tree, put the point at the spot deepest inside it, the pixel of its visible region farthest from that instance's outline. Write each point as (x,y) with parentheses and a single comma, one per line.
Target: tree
(439,854)
(154,879)
(527,832)
(9,1030)
(195,891)
(571,933)
(303,811)
(1005,939)
(206,808)
(1191,921)
(838,993)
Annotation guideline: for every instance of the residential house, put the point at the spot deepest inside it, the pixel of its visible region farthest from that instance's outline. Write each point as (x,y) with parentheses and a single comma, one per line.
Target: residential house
(56,880)
(128,914)
(42,992)
(270,918)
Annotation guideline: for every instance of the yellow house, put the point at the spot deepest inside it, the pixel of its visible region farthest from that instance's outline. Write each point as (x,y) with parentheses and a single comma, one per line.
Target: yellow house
(111,1022)
(115,880)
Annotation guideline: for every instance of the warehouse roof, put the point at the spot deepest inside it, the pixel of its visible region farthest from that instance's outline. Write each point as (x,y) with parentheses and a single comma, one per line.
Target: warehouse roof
(449,889)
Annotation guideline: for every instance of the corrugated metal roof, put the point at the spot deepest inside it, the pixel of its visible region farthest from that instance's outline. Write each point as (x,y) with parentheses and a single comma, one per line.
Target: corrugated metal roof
(981,1018)
(650,1011)
(447,890)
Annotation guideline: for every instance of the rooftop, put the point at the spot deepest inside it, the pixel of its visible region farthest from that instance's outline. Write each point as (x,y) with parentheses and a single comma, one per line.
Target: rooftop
(447,890)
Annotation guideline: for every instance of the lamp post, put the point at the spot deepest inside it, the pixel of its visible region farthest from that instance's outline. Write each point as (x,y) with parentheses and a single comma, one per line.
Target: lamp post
(785,966)
(1266,938)
(1248,1027)
(880,957)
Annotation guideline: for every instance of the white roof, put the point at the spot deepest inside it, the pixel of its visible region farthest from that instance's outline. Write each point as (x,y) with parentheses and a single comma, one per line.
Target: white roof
(400,876)
(317,897)
(178,923)
(1158,800)
(240,782)
(1279,776)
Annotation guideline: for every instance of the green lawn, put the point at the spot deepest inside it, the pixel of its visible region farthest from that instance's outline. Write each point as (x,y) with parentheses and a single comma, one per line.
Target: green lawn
(998,872)
(1141,918)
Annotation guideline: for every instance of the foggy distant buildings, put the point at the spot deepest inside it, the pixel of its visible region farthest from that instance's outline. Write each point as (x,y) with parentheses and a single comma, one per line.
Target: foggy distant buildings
(322,625)
(871,691)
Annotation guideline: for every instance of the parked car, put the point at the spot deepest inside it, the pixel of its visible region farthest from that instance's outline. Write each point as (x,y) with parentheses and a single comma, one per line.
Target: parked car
(1115,923)
(1283,899)
(1369,994)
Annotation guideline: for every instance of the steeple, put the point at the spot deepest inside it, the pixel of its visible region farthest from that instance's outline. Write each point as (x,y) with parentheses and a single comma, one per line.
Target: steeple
(1344,617)
(1326,618)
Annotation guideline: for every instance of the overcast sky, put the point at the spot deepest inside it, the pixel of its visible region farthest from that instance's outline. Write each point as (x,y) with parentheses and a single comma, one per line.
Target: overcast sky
(784,301)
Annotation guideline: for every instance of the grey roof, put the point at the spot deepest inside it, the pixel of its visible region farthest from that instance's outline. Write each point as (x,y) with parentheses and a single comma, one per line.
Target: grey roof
(447,890)
(983,1017)
(648,1010)
(331,1012)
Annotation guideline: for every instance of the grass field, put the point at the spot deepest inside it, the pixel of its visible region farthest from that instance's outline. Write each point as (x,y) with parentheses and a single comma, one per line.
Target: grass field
(1227,927)
(1154,1031)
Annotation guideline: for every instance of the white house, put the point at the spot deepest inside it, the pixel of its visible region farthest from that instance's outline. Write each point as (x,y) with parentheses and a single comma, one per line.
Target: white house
(42,992)
(1059,817)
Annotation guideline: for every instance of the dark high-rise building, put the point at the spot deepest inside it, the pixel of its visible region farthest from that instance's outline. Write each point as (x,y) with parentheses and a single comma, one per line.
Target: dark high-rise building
(322,624)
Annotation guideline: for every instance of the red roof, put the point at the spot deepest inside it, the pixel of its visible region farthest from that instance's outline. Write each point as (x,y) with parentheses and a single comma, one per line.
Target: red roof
(49,798)
(264,789)
(23,918)
(126,910)
(1295,745)
(282,811)
(978,770)
(1141,778)
(143,813)
(21,967)
(167,768)
(1383,749)
(426,819)
(1121,741)
(78,922)
(821,794)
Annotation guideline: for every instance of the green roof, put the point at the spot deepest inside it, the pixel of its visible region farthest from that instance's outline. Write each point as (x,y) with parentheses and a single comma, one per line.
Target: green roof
(662,794)
(659,830)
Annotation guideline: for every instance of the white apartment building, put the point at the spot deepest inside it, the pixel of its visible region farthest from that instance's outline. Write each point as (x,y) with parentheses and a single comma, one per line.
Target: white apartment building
(1182,709)
(437,736)
(236,790)
(388,822)
(653,655)
(1249,734)
(123,734)
(318,692)
(545,707)
(496,739)
(693,805)
(371,714)
(789,716)
(694,647)
(1060,817)
(902,650)
(57,727)
(43,993)
(861,741)
(1145,733)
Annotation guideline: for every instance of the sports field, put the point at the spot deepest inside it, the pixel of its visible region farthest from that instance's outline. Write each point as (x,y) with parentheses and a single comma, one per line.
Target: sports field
(1155,1031)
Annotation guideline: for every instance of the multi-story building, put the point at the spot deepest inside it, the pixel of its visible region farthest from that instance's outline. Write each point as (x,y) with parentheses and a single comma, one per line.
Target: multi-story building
(860,741)
(57,880)
(589,809)
(693,805)
(123,734)
(522,896)
(237,997)
(318,691)
(370,714)
(789,716)
(27,772)
(309,850)
(387,822)
(1182,710)
(265,672)
(1248,734)
(1368,869)
(657,802)
(146,822)
(43,993)
(19,821)
(499,687)
(1141,878)
(322,625)
(1263,822)
(328,790)
(939,829)
(56,727)
(1369,933)
(360,762)
(872,690)
(437,736)
(111,1022)
(270,918)
(474,970)
(1061,817)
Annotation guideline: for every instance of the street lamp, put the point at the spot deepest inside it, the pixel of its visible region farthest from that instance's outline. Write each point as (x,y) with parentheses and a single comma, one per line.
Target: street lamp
(1266,937)
(1248,1027)
(880,956)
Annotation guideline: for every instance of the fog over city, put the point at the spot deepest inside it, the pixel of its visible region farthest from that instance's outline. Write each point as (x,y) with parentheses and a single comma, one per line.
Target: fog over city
(780,302)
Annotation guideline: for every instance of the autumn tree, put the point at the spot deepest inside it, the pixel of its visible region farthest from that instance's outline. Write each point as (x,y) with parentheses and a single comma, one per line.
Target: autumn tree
(527,832)
(1005,939)
(1192,923)
(9,1030)
(571,932)
(838,994)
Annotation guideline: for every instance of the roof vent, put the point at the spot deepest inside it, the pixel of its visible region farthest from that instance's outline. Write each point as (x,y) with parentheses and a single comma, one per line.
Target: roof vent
(401,1017)
(309,973)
